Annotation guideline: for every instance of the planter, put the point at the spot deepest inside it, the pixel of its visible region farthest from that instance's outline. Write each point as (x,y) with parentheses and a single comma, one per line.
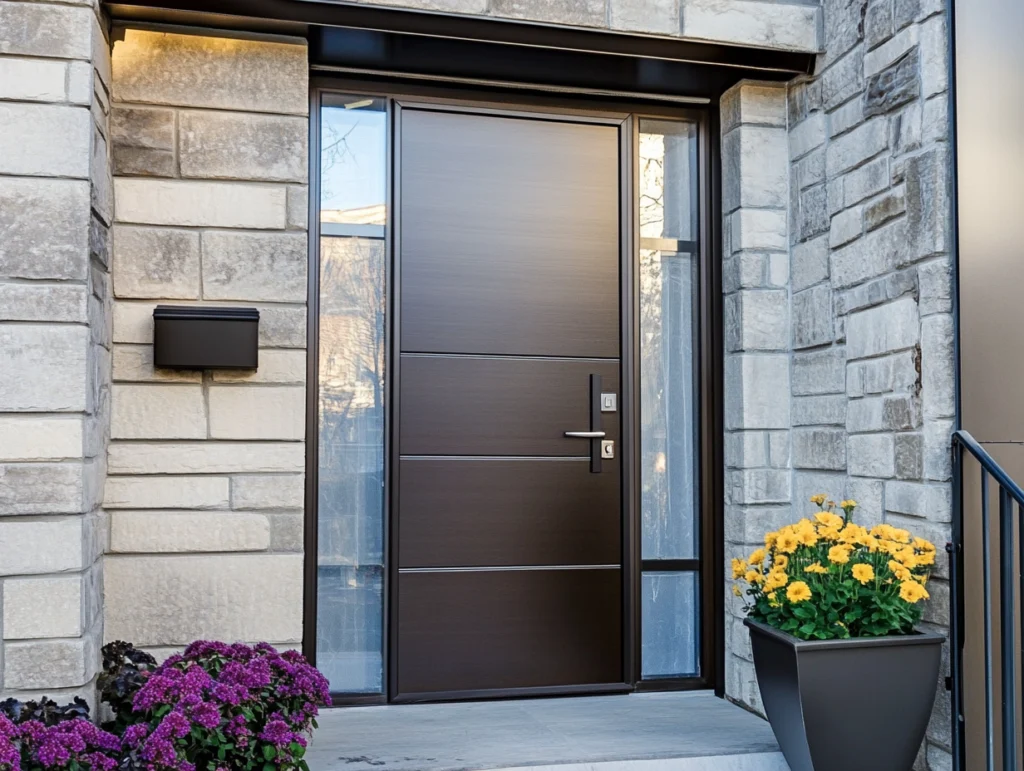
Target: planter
(857,704)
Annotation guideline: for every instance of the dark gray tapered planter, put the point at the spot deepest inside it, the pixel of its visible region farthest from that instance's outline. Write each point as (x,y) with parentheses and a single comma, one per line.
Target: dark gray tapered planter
(847,704)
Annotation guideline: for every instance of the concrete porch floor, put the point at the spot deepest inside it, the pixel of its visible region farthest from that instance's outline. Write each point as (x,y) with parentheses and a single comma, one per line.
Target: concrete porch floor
(691,731)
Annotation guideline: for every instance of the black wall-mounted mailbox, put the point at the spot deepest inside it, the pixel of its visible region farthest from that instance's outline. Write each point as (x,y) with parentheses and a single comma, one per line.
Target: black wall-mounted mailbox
(197,337)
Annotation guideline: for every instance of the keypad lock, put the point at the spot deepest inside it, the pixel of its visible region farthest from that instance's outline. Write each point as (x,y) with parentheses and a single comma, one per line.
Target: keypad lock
(607,449)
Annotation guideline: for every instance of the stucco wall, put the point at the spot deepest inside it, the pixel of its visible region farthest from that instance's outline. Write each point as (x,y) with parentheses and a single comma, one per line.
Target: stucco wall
(205,485)
(55,209)
(843,381)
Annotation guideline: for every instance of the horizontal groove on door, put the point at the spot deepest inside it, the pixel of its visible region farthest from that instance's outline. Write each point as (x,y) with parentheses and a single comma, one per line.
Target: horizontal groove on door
(509,629)
(457,406)
(576,458)
(494,513)
(497,568)
(514,356)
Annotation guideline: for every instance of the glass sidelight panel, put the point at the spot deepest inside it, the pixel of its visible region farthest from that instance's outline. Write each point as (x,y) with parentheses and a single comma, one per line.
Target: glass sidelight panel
(350,558)
(669,297)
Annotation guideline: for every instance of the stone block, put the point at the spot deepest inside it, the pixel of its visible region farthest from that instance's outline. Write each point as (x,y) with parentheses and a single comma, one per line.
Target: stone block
(900,413)
(865,415)
(158,411)
(19,546)
(846,226)
(871,455)
(178,492)
(827,410)
(757,391)
(45,223)
(43,368)
(843,27)
(32,80)
(81,86)
(870,495)
(268,491)
(909,456)
(134,364)
(38,438)
(286,531)
(188,203)
(927,204)
(99,173)
(809,170)
(254,266)
(759,229)
(812,218)
(211,72)
(778,449)
(888,207)
(752,23)
(892,373)
(143,141)
(156,262)
(935,120)
(894,86)
(854,148)
(812,317)
(43,302)
(282,327)
(41,488)
(205,457)
(807,135)
(44,29)
(891,52)
(934,56)
(35,608)
(44,140)
(757,486)
(658,16)
(804,97)
(819,448)
(878,23)
(876,254)
(280,367)
(845,118)
(49,664)
(868,180)
(746,449)
(756,169)
(883,329)
(809,263)
(298,207)
(158,532)
(927,501)
(264,412)
(938,367)
(820,372)
(843,80)
(748,526)
(753,102)
(133,322)
(938,465)
(232,145)
(808,482)
(216,597)
(757,320)
(577,13)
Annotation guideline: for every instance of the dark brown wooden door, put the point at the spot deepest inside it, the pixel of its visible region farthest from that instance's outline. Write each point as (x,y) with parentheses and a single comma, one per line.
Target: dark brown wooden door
(509,542)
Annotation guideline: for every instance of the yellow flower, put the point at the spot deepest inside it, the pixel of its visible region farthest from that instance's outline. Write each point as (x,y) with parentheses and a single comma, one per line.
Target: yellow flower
(829,520)
(776,580)
(773,598)
(923,545)
(780,561)
(908,557)
(739,567)
(757,557)
(815,568)
(899,571)
(753,577)
(912,592)
(769,540)
(848,505)
(736,590)
(819,499)
(900,536)
(787,543)
(839,554)
(798,591)
(863,572)
(807,537)
(926,559)
(829,533)
(852,533)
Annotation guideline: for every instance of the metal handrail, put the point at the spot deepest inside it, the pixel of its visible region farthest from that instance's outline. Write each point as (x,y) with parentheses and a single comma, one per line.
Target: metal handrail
(1009,491)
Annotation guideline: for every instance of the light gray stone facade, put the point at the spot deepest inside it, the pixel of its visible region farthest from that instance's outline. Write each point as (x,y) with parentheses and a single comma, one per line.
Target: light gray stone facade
(205,485)
(868,380)
(55,211)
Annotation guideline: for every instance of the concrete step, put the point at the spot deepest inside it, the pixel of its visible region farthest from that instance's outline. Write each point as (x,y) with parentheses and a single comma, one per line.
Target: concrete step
(756,761)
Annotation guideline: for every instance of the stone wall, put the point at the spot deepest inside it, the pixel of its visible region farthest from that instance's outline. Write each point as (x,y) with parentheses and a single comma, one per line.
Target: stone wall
(55,209)
(793,25)
(205,485)
(870,324)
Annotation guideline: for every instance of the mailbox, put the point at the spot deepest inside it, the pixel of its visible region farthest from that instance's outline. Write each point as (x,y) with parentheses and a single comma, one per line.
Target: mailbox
(200,337)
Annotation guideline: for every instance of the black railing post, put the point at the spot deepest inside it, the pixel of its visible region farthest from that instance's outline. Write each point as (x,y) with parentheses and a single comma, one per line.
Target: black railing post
(1007,631)
(956,622)
(986,559)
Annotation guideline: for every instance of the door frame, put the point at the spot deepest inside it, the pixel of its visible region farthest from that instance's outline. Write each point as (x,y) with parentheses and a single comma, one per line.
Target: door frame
(574,109)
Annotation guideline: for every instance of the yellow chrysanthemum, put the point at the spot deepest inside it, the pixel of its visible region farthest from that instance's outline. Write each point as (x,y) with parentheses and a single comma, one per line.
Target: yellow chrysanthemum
(798,591)
(739,567)
(912,592)
(816,567)
(848,505)
(773,598)
(776,579)
(926,559)
(900,536)
(923,545)
(757,557)
(819,499)
(899,571)
(753,577)
(808,537)
(736,590)
(828,519)
(882,531)
(839,554)
(787,543)
(780,561)
(769,540)
(863,572)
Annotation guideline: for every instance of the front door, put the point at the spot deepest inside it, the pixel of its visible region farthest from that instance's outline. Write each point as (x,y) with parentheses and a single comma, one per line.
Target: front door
(506,487)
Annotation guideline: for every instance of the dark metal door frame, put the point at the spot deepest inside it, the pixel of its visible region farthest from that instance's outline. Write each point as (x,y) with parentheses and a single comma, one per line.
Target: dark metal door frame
(707,352)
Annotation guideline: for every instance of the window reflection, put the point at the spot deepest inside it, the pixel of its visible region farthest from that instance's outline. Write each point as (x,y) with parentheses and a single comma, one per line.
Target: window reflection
(350,559)
(671,620)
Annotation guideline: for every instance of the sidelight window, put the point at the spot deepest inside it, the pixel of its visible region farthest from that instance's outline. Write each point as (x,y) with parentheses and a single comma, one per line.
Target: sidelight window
(351,380)
(668,282)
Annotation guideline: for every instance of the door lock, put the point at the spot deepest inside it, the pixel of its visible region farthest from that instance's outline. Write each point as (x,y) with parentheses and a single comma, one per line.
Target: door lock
(607,448)
(609,402)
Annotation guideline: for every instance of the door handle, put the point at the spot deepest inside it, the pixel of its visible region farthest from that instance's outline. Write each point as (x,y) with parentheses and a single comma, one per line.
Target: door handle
(586,434)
